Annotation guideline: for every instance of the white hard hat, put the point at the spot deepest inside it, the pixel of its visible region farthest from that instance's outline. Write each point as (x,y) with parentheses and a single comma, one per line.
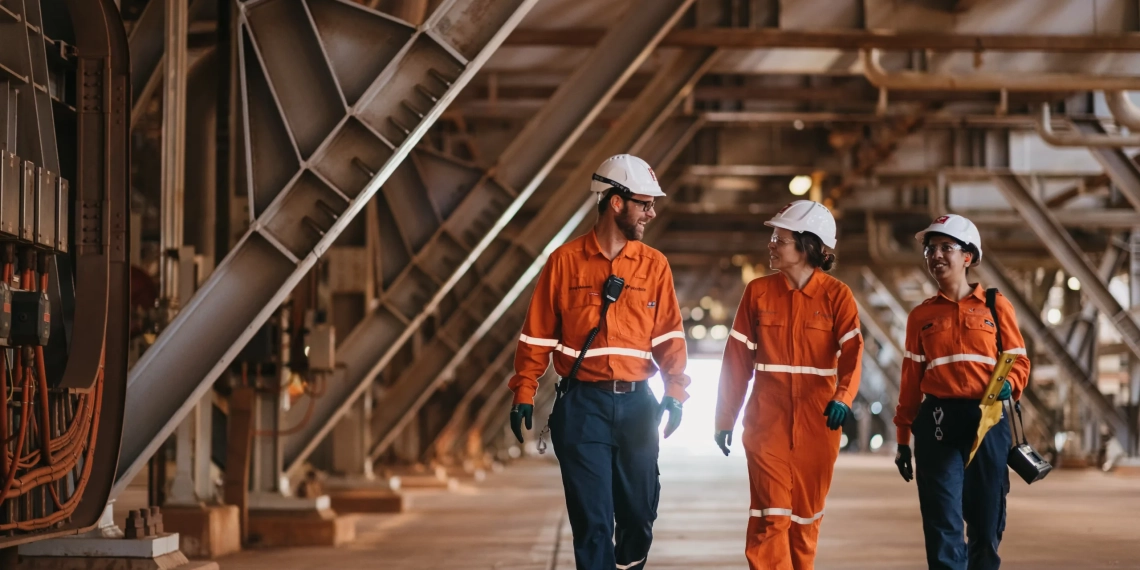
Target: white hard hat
(806,216)
(958,228)
(626,172)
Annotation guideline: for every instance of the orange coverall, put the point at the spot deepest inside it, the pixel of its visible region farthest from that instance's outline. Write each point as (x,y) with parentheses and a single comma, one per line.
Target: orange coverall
(950,350)
(806,349)
(643,326)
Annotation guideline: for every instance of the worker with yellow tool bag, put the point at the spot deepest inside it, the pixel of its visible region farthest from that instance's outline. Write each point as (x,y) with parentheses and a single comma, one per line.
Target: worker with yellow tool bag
(952,344)
(605,306)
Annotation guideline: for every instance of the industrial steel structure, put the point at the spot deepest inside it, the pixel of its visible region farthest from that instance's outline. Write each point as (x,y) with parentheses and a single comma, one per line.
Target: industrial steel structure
(337,209)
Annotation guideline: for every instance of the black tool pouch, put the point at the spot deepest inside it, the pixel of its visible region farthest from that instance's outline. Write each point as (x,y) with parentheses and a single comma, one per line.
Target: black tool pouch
(1023,459)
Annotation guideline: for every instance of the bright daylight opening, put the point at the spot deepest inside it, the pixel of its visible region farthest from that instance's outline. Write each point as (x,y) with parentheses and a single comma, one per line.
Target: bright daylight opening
(695,436)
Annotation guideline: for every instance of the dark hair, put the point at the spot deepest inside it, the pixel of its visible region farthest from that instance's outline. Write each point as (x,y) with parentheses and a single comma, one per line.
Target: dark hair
(966,247)
(812,246)
(613,191)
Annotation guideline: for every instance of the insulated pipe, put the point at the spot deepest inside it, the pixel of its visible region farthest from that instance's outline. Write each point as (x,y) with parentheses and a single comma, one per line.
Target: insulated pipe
(1049,82)
(1075,138)
(1123,111)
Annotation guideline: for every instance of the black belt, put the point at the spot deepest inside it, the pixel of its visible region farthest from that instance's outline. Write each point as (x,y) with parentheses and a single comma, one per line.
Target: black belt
(615,386)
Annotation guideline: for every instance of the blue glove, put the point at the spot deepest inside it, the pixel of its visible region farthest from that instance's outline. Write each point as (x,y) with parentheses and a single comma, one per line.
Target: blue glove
(1006,391)
(836,413)
(518,413)
(724,440)
(671,405)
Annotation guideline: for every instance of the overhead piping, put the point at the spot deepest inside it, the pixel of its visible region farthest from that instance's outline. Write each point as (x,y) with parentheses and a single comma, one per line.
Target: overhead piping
(1123,111)
(1074,138)
(1051,82)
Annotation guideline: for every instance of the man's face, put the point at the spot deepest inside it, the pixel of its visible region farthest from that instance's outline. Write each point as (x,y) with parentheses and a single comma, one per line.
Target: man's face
(633,217)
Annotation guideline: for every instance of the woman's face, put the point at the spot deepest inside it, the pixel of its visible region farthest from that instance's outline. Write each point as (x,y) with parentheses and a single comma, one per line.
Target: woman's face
(945,258)
(782,253)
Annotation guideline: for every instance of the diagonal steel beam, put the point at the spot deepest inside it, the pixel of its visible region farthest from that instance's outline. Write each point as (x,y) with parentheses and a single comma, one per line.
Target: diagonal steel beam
(524,164)
(1029,320)
(335,96)
(1119,167)
(555,223)
(1058,241)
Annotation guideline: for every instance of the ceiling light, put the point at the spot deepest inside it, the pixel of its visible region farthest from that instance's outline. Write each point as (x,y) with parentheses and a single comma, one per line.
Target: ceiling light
(800,185)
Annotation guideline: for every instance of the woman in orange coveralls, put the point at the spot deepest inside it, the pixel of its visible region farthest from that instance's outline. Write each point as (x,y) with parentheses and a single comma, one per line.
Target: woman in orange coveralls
(798,331)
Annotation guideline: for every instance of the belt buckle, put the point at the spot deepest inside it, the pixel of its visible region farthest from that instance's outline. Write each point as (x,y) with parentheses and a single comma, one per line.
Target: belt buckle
(614,387)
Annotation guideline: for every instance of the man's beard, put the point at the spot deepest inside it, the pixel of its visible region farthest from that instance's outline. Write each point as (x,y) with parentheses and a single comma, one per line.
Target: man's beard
(629,229)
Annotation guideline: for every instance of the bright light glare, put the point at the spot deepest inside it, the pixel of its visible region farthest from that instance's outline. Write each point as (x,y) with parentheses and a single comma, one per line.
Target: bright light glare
(706,302)
(698,332)
(876,442)
(1054,316)
(697,313)
(695,436)
(1074,284)
(800,185)
(719,332)
(876,407)
(843,441)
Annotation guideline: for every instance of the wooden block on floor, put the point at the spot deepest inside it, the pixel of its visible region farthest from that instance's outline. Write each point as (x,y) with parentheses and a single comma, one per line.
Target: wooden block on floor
(206,531)
(274,528)
(172,561)
(368,500)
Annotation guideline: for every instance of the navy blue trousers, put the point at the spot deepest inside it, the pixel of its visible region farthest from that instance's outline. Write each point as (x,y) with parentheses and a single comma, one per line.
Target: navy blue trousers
(951,494)
(607,448)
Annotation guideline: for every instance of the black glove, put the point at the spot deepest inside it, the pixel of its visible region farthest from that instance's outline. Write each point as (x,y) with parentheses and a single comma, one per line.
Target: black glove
(902,461)
(518,413)
(836,413)
(671,405)
(1006,391)
(724,440)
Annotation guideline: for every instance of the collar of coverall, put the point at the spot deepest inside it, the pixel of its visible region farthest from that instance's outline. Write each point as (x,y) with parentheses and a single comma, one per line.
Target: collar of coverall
(592,247)
(977,292)
(812,286)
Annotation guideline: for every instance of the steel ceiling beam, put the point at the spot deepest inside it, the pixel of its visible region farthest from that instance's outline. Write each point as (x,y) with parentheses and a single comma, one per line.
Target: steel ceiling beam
(764,38)
(520,263)
(523,166)
(991,271)
(334,97)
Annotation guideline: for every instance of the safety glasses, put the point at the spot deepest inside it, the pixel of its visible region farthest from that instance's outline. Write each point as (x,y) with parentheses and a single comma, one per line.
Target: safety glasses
(780,241)
(945,248)
(646,205)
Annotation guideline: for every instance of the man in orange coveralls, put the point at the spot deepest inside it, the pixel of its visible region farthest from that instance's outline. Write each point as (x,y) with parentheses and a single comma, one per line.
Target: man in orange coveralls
(798,330)
(605,419)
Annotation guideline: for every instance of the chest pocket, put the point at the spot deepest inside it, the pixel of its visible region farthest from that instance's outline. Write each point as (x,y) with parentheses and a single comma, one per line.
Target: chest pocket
(636,310)
(581,308)
(772,339)
(980,335)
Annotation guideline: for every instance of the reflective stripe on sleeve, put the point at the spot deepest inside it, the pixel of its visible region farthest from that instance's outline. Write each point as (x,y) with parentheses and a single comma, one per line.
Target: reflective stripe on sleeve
(915,357)
(667,336)
(538,341)
(740,336)
(848,336)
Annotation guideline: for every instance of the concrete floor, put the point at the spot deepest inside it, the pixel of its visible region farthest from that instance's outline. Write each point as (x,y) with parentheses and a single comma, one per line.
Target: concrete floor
(514,521)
